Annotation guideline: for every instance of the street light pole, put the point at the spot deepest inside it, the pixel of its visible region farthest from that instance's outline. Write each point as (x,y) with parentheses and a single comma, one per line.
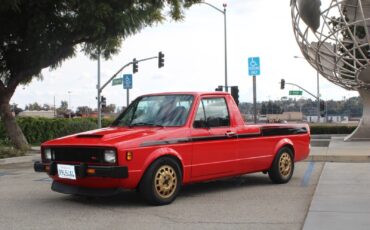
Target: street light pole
(226,86)
(318,97)
(99,91)
(69,103)
(225,38)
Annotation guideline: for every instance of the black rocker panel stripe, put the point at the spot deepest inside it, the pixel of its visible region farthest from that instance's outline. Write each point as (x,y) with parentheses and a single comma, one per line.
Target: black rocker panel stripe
(265,132)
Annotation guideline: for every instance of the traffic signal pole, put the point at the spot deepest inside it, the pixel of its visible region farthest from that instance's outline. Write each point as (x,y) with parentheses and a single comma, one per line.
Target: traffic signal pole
(100,89)
(314,96)
(287,83)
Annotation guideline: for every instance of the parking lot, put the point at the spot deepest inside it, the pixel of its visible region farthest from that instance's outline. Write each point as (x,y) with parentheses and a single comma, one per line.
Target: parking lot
(246,202)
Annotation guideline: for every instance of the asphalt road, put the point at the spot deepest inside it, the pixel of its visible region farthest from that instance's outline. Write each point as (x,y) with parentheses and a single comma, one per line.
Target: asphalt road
(246,202)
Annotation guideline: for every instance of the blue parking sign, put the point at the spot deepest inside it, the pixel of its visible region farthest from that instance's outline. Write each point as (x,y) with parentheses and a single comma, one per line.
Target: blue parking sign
(127,81)
(254,66)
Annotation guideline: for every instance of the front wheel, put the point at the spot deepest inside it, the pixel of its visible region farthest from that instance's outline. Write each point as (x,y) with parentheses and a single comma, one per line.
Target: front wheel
(282,167)
(161,182)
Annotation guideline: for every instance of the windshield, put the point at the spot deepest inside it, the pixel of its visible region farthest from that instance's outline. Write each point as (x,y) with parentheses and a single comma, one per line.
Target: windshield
(160,110)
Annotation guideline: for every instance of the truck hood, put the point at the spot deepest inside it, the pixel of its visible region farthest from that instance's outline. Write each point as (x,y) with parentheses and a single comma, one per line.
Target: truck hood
(106,136)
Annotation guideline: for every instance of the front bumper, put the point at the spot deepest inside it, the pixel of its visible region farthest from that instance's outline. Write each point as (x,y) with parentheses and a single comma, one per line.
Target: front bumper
(82,191)
(82,170)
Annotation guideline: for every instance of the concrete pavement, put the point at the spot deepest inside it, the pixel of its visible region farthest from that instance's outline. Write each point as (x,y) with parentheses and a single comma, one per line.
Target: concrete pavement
(342,196)
(341,199)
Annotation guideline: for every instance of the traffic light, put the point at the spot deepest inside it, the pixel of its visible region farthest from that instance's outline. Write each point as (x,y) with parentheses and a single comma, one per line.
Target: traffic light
(103,102)
(135,66)
(219,88)
(235,94)
(160,60)
(322,108)
(282,84)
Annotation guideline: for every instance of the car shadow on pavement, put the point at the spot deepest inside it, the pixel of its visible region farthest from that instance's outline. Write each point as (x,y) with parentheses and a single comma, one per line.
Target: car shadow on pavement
(226,184)
(132,198)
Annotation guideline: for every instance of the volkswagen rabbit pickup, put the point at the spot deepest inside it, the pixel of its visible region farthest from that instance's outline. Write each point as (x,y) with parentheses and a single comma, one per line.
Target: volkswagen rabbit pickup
(161,142)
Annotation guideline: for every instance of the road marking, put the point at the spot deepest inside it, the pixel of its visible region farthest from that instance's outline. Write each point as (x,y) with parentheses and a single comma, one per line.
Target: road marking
(307,174)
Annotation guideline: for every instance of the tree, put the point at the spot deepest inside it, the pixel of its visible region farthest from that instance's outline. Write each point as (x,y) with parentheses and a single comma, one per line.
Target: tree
(109,108)
(83,110)
(33,107)
(63,109)
(36,34)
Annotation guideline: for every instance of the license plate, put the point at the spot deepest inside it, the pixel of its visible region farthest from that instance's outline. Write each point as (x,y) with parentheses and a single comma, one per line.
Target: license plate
(67,172)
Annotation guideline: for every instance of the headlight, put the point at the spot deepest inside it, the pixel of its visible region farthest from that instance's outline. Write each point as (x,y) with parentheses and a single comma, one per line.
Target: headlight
(110,156)
(47,154)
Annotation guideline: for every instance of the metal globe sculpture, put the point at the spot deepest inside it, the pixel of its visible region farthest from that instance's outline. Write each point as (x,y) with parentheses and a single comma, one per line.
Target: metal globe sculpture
(334,37)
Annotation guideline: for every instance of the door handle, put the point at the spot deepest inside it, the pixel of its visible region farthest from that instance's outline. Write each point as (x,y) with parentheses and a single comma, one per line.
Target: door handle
(230,134)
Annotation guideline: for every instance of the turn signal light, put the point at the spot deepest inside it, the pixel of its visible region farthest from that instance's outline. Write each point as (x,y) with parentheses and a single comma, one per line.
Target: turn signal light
(47,168)
(91,171)
(129,156)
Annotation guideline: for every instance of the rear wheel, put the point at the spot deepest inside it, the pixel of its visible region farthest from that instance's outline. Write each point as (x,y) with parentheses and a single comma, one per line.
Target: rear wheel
(282,167)
(161,182)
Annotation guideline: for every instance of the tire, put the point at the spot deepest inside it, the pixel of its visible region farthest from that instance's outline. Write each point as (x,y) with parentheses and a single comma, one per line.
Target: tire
(161,182)
(282,167)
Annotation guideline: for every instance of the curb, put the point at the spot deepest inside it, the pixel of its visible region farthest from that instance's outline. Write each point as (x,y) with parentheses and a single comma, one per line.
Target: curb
(16,160)
(336,158)
(28,158)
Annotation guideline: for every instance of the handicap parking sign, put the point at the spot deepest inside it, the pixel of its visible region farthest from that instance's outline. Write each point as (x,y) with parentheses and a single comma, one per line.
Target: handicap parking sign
(254,66)
(127,81)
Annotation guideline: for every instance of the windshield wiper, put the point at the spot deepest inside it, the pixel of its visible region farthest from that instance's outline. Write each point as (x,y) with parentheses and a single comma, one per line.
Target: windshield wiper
(145,124)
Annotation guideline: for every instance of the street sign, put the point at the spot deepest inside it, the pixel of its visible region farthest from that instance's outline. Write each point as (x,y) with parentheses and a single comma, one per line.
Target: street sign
(127,81)
(295,92)
(254,66)
(117,81)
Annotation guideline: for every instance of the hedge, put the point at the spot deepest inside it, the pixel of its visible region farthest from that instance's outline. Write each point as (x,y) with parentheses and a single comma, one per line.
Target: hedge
(38,129)
(323,129)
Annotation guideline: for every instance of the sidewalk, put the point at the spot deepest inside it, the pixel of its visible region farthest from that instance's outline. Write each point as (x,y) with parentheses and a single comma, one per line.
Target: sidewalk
(342,196)
(341,199)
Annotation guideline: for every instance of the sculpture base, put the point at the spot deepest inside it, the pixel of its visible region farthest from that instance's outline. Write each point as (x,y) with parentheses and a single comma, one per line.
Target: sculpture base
(362,132)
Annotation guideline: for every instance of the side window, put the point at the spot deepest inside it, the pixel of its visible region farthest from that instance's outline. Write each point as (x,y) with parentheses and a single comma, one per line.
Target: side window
(200,118)
(212,112)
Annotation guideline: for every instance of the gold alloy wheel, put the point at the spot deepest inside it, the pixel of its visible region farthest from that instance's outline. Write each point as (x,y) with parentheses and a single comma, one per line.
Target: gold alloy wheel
(285,164)
(165,181)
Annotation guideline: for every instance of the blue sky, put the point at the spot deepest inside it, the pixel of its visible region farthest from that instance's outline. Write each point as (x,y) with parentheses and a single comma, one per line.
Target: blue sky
(194,59)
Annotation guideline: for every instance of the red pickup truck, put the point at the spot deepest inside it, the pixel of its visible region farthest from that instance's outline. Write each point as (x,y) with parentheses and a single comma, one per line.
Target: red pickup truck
(164,141)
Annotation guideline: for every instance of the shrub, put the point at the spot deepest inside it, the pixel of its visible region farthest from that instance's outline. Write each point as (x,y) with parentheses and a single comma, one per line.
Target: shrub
(38,129)
(323,129)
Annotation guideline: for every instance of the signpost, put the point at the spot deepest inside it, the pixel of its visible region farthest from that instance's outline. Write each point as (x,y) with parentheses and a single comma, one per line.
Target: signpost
(117,81)
(253,70)
(254,66)
(127,84)
(295,92)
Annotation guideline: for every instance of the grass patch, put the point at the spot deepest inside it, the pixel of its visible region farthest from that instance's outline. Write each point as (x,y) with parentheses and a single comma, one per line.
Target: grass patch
(7,151)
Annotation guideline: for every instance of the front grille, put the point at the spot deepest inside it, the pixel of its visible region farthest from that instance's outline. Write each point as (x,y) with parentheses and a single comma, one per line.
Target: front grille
(73,154)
